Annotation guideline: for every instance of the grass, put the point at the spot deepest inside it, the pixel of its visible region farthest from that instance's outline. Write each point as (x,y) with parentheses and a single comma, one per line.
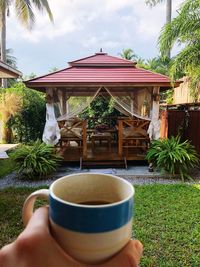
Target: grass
(6,166)
(166,220)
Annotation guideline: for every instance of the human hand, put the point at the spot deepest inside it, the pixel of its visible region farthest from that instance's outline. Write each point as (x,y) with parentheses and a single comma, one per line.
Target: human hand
(36,247)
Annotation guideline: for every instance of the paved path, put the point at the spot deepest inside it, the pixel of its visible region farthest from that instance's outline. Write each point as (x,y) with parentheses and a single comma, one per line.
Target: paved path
(4,148)
(137,175)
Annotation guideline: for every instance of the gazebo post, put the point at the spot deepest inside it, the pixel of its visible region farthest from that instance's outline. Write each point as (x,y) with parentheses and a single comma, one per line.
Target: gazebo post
(67,104)
(49,91)
(120,138)
(62,99)
(155,103)
(132,103)
(63,104)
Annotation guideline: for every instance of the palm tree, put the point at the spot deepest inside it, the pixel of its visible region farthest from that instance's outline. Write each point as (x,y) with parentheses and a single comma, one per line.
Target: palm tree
(153,3)
(25,14)
(10,59)
(184,29)
(128,54)
(159,65)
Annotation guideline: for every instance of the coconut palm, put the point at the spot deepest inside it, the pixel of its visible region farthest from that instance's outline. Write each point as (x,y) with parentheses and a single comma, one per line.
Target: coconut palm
(153,3)
(10,59)
(184,29)
(128,54)
(25,14)
(159,65)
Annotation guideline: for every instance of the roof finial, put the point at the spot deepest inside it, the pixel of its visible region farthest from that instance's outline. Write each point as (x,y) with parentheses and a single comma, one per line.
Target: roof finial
(101,53)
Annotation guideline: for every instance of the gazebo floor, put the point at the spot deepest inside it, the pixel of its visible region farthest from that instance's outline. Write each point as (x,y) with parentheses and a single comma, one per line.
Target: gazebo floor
(100,154)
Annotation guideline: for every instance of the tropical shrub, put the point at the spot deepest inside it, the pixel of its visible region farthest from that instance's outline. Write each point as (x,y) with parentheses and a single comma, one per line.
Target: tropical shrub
(10,104)
(173,156)
(28,124)
(101,109)
(35,161)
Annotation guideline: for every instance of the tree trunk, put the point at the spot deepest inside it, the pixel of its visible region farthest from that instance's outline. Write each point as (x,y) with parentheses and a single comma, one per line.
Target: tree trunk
(3,40)
(168,18)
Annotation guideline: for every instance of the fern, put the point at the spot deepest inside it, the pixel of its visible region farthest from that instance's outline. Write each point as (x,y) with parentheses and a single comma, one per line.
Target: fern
(36,160)
(173,156)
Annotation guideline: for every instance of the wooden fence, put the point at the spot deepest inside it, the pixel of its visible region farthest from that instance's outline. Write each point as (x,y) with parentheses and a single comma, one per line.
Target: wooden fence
(186,121)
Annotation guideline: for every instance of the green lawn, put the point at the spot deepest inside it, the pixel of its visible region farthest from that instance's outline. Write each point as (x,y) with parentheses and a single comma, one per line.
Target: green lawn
(166,221)
(6,167)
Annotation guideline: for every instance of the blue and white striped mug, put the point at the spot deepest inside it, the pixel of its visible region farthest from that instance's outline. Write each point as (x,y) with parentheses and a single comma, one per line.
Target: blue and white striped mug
(90,214)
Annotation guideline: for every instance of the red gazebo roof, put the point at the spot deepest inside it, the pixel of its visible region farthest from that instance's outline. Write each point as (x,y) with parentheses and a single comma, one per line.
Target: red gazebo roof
(102,59)
(100,70)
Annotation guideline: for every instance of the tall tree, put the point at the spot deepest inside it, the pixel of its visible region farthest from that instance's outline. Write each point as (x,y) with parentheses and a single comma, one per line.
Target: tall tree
(128,54)
(153,3)
(184,29)
(25,14)
(158,64)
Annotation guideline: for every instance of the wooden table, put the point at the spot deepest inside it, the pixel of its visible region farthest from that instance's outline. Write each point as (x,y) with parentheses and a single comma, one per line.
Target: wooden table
(90,132)
(101,137)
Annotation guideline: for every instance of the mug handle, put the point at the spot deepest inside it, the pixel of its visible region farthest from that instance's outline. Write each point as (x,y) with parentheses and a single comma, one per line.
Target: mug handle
(28,207)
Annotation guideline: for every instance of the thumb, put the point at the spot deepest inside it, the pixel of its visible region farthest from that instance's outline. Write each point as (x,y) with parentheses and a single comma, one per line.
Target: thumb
(129,256)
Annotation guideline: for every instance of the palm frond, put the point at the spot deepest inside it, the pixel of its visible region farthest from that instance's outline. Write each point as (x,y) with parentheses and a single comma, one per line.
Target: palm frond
(188,59)
(43,5)
(24,13)
(153,3)
(183,28)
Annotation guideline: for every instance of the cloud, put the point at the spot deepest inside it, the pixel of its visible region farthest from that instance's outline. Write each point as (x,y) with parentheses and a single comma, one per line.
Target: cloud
(79,15)
(69,16)
(84,26)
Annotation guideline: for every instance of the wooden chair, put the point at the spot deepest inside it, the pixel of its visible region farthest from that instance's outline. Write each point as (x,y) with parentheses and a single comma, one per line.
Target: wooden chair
(74,130)
(132,134)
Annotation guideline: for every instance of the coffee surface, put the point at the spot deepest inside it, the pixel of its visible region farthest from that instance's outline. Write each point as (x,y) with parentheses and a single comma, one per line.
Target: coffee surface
(95,202)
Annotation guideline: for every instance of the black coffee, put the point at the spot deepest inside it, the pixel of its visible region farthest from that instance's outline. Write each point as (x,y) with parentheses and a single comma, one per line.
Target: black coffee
(95,202)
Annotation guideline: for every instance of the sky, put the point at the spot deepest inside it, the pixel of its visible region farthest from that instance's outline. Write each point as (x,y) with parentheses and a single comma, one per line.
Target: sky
(81,28)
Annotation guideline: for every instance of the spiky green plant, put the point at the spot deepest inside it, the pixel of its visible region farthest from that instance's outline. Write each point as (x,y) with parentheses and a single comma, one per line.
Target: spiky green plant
(173,156)
(36,160)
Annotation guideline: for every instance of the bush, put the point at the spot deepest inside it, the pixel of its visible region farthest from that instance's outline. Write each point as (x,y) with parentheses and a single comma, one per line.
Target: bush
(101,109)
(173,156)
(36,160)
(28,124)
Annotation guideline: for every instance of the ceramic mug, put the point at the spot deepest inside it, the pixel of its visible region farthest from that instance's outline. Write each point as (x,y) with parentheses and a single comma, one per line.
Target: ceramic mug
(90,214)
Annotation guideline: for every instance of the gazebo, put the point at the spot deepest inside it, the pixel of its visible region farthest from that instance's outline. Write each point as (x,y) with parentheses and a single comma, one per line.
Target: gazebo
(135,92)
